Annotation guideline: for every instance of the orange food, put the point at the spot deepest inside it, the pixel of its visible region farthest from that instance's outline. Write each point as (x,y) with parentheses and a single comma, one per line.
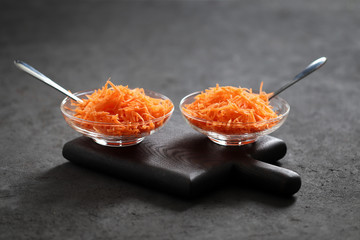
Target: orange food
(231,110)
(120,111)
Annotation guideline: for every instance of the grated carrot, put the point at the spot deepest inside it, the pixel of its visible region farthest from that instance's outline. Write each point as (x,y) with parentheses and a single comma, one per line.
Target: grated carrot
(231,110)
(121,111)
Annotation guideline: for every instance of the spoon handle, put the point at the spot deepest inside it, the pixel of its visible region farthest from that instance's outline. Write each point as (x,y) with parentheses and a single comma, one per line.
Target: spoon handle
(35,73)
(309,69)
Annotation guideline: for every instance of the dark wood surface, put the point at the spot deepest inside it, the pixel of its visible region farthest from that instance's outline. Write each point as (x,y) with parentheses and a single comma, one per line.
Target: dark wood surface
(189,165)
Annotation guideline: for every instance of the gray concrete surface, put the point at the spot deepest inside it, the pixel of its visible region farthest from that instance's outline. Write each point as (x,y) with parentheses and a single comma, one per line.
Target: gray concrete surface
(177,47)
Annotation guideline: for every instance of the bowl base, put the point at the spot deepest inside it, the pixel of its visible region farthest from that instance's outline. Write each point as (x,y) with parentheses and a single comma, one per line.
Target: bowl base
(118,143)
(232,142)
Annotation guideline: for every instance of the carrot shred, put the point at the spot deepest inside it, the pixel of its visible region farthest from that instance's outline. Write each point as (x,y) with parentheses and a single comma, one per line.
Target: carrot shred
(124,111)
(231,110)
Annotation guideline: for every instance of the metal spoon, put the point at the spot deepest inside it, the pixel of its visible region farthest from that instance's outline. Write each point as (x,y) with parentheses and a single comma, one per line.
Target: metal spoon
(309,69)
(35,73)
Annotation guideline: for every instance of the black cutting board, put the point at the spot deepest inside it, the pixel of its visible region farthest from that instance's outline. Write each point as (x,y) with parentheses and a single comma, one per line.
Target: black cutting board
(178,160)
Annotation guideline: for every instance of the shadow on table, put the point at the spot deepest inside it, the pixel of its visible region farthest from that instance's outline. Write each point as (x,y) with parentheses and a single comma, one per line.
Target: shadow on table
(69,185)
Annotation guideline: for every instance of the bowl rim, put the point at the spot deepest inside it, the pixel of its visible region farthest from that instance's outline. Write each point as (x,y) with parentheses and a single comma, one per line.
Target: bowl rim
(238,123)
(87,92)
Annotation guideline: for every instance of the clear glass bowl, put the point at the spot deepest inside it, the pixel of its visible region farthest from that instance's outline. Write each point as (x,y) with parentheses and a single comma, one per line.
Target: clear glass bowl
(99,131)
(236,134)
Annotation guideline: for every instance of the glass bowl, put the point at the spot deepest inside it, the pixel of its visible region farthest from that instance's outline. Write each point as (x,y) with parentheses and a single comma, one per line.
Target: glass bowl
(103,133)
(236,134)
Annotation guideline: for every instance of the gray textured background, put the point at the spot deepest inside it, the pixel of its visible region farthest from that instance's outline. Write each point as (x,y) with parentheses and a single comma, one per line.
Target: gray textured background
(177,47)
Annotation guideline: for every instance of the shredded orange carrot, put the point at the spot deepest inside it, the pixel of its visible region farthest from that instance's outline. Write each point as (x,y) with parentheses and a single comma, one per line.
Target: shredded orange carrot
(125,111)
(231,110)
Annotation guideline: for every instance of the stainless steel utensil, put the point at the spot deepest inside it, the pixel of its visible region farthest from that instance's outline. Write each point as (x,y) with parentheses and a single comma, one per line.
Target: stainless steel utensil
(35,73)
(309,69)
